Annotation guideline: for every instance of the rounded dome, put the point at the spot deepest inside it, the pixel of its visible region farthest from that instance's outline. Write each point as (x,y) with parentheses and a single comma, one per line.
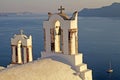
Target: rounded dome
(44,69)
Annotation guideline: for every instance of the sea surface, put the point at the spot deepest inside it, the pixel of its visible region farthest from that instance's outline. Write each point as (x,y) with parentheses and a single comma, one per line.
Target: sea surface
(99,41)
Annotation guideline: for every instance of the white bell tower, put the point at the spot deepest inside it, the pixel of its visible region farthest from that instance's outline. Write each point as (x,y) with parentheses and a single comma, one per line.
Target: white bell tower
(61,33)
(61,42)
(21,48)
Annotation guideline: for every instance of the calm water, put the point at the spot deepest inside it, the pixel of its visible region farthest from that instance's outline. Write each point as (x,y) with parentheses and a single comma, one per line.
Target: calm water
(99,41)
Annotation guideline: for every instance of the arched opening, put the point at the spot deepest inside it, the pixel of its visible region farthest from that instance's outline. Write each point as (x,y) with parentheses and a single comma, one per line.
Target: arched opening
(27,54)
(20,52)
(58,37)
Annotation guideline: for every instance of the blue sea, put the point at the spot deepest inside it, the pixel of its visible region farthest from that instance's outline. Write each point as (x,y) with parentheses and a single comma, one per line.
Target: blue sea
(99,41)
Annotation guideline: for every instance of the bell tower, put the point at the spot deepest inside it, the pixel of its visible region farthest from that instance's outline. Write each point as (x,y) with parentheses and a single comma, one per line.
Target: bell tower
(21,48)
(61,42)
(61,33)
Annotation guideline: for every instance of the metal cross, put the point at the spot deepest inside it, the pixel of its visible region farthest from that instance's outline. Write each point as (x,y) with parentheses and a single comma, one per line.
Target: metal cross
(61,9)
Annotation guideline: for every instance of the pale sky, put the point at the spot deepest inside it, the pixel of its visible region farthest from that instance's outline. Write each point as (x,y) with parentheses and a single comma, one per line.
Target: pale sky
(44,6)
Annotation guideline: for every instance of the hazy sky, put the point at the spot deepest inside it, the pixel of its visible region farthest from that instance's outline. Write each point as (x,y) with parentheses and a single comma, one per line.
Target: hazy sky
(44,6)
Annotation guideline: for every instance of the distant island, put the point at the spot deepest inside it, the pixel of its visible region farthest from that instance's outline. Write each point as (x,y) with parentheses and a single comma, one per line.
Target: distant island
(2,14)
(106,11)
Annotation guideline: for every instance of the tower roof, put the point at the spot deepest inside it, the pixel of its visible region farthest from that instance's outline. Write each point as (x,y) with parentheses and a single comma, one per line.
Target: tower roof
(64,16)
(21,34)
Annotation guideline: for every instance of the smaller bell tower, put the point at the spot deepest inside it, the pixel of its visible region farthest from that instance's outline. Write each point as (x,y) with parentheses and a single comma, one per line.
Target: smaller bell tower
(21,47)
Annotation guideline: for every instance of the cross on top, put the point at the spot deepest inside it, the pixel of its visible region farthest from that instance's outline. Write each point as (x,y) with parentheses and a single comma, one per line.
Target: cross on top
(61,9)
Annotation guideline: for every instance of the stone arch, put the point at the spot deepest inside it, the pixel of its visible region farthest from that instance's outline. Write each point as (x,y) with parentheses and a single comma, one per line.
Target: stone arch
(56,37)
(57,27)
(53,19)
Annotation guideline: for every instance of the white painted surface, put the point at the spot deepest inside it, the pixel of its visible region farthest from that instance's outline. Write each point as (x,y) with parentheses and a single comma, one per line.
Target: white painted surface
(13,54)
(22,42)
(45,69)
(70,54)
